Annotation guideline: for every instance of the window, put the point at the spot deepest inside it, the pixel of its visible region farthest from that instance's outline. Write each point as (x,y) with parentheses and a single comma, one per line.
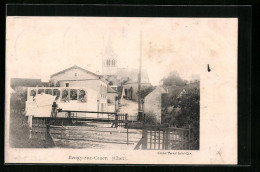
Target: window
(65,95)
(56,93)
(76,74)
(48,91)
(82,96)
(108,62)
(113,62)
(33,93)
(40,91)
(102,107)
(73,94)
(67,84)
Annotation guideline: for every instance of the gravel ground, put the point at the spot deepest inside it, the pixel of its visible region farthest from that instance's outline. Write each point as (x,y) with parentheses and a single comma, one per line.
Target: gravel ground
(101,136)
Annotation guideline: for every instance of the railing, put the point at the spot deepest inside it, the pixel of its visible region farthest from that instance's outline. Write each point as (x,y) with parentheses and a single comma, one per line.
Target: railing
(74,114)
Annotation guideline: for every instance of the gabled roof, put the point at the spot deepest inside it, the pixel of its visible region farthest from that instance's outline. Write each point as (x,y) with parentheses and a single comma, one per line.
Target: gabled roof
(11,90)
(110,90)
(109,51)
(74,67)
(128,76)
(25,82)
(45,84)
(161,89)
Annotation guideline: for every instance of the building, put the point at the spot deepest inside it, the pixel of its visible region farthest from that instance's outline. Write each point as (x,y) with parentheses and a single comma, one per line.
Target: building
(109,60)
(67,98)
(126,77)
(23,83)
(78,77)
(112,102)
(153,103)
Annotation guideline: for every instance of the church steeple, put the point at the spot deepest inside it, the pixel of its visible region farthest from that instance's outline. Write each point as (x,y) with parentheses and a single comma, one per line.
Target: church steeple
(109,59)
(109,49)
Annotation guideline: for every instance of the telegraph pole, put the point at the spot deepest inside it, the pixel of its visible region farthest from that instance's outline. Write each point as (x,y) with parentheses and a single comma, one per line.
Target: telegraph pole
(140,112)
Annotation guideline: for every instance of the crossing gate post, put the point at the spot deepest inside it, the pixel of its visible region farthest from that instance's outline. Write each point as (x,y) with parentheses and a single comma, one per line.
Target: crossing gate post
(126,126)
(144,137)
(47,129)
(189,138)
(116,120)
(126,120)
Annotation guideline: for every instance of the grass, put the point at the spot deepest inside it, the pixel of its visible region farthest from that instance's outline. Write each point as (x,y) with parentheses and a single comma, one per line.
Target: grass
(20,131)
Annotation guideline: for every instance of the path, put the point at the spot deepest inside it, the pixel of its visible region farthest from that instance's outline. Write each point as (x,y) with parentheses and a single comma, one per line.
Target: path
(129,107)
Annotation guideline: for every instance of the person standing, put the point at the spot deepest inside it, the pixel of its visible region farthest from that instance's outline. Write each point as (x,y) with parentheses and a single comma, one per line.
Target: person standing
(54,110)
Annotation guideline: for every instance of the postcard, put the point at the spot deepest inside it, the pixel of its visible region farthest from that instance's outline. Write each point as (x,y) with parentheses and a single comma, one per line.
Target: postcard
(121,90)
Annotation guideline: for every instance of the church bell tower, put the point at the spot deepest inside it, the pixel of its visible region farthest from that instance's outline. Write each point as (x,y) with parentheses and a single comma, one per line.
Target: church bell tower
(109,60)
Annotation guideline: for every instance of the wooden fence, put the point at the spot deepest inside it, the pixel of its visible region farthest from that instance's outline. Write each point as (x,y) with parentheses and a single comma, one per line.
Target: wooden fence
(164,138)
(121,120)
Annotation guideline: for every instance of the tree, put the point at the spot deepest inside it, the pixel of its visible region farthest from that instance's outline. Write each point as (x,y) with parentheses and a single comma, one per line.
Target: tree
(18,100)
(182,109)
(173,79)
(190,112)
(145,91)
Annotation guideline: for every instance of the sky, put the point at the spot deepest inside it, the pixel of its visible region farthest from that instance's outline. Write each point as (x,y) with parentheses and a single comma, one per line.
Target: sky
(37,47)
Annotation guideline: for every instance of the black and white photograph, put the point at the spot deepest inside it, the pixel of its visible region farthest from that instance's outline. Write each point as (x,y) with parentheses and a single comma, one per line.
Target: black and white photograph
(122,84)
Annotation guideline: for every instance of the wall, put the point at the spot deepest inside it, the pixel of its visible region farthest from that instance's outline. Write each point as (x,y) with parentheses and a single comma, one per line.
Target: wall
(112,70)
(111,107)
(152,103)
(135,89)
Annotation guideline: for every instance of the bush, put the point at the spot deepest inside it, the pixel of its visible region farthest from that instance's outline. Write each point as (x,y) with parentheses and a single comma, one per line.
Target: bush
(18,99)
(150,119)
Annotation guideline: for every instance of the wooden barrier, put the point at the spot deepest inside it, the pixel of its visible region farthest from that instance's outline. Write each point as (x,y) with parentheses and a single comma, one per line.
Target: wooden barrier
(121,120)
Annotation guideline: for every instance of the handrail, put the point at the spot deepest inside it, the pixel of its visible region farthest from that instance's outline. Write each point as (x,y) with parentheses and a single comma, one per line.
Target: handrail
(61,110)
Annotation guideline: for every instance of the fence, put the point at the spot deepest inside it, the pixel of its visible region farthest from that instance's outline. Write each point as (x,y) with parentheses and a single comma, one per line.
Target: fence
(164,138)
(121,120)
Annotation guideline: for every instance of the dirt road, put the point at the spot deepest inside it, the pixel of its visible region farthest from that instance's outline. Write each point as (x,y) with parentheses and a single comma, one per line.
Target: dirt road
(129,107)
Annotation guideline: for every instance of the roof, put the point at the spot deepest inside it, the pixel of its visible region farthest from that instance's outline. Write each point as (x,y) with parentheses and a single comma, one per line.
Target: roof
(11,90)
(45,84)
(161,89)
(181,93)
(25,82)
(110,90)
(165,89)
(74,67)
(128,76)
(132,75)
(109,51)
(103,80)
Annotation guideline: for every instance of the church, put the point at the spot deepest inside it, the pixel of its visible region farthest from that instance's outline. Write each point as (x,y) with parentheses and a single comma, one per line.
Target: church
(124,77)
